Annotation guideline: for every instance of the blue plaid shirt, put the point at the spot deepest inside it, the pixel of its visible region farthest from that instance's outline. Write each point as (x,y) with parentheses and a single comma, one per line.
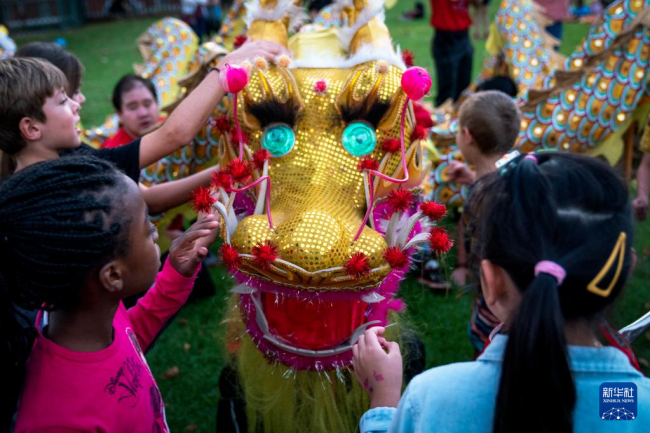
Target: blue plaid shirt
(461,397)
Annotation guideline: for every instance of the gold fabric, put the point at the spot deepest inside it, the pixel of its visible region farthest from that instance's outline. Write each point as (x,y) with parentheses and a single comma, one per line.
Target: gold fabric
(318,197)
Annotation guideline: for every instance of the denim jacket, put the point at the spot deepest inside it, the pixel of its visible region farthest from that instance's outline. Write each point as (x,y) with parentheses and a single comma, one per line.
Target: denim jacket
(461,397)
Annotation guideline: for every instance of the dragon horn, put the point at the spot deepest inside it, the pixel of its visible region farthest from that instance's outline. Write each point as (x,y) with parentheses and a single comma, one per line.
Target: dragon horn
(271,20)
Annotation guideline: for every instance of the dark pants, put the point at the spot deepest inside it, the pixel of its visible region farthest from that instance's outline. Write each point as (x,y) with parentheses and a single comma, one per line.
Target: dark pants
(452,53)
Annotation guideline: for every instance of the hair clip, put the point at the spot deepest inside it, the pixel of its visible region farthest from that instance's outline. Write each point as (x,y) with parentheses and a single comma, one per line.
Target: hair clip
(503,164)
(619,250)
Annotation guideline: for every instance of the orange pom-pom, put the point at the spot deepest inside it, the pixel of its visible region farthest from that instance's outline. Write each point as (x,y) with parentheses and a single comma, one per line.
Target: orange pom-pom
(391,145)
(396,258)
(283,61)
(222,179)
(261,63)
(260,157)
(439,240)
(368,163)
(240,170)
(433,210)
(358,265)
(202,199)
(230,256)
(399,199)
(264,254)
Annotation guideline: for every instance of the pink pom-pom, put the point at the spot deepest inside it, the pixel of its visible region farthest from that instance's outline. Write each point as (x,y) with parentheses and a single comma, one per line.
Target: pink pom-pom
(233,78)
(416,82)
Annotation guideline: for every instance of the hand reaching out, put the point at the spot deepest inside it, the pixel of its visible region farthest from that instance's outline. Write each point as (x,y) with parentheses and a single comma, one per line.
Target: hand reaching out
(378,368)
(459,172)
(188,250)
(251,50)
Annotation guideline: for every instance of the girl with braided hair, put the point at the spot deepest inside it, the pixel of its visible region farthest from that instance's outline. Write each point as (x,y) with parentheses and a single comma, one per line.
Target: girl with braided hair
(550,274)
(75,240)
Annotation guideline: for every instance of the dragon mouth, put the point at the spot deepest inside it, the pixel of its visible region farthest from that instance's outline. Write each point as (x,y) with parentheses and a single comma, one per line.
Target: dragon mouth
(309,330)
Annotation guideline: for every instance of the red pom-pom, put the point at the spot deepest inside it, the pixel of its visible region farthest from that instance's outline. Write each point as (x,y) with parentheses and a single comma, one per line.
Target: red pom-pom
(433,210)
(408,58)
(419,133)
(222,179)
(391,145)
(234,137)
(264,254)
(439,240)
(399,199)
(260,157)
(202,199)
(422,116)
(222,123)
(320,86)
(239,41)
(358,265)
(368,163)
(240,170)
(396,258)
(230,256)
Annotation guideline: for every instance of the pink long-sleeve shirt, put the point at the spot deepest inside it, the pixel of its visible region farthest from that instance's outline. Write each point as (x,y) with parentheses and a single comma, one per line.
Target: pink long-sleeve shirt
(111,390)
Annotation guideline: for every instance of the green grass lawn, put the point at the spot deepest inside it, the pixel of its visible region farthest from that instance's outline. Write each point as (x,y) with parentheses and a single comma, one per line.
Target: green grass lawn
(193,341)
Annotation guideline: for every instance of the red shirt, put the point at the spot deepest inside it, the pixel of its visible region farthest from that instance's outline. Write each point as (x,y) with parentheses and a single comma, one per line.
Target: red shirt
(450,15)
(119,139)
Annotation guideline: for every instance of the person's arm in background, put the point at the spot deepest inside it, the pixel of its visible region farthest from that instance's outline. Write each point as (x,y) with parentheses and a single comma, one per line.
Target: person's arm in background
(168,195)
(187,119)
(640,203)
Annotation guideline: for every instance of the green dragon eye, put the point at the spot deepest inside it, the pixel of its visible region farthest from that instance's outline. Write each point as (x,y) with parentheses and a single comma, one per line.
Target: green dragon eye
(278,140)
(359,138)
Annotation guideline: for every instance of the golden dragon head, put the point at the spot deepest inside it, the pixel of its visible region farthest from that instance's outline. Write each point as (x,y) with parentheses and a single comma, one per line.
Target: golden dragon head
(317,184)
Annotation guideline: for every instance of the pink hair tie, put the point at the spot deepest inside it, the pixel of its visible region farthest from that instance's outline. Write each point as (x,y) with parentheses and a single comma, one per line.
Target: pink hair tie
(551,268)
(531,157)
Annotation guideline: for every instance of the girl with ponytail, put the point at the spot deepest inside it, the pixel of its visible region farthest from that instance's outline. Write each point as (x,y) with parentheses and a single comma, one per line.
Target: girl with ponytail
(75,239)
(554,244)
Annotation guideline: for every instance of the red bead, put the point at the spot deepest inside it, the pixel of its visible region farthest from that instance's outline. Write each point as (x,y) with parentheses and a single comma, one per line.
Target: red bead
(320,86)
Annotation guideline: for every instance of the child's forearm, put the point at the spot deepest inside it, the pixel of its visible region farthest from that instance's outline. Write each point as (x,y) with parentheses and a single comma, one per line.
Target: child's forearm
(184,123)
(160,198)
(162,301)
